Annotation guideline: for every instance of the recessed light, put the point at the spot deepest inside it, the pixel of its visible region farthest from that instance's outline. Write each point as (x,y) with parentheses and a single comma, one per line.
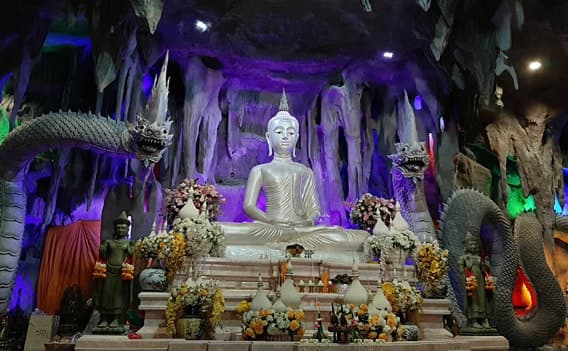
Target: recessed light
(388,54)
(201,26)
(535,65)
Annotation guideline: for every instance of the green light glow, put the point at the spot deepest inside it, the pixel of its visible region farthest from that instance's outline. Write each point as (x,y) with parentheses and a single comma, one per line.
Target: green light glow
(517,203)
(4,125)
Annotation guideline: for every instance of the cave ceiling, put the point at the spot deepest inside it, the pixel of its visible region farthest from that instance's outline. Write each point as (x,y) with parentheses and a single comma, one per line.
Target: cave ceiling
(307,44)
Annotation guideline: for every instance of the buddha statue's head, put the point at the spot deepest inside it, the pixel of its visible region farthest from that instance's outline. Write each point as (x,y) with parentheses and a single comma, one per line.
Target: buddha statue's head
(121,226)
(282,131)
(471,244)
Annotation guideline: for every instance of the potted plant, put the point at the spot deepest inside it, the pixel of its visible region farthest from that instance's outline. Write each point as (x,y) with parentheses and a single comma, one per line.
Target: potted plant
(270,325)
(205,197)
(194,309)
(383,326)
(369,209)
(406,301)
(162,255)
(431,266)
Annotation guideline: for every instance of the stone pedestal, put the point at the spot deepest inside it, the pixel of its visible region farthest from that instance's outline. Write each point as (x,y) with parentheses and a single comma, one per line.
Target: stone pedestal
(431,320)
(153,304)
(121,343)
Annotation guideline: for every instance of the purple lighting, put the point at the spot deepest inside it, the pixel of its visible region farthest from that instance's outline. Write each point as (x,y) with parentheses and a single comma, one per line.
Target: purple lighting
(388,54)
(147,83)
(418,103)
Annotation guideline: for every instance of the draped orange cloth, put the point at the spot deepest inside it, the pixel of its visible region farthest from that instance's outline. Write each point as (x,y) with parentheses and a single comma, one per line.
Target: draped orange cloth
(68,259)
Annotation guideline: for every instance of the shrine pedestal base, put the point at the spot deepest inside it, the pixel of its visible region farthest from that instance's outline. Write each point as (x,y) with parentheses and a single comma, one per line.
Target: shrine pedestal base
(122,343)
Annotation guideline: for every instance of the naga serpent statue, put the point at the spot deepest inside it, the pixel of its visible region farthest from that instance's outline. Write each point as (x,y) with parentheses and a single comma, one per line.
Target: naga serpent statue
(510,248)
(471,211)
(409,164)
(145,140)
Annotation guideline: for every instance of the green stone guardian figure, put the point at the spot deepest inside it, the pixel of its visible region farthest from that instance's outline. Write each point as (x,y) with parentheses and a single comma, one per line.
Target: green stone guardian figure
(479,286)
(113,293)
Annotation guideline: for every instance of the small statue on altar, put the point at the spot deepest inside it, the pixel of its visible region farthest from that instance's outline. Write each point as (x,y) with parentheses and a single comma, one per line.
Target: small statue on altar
(73,313)
(113,290)
(479,287)
(292,207)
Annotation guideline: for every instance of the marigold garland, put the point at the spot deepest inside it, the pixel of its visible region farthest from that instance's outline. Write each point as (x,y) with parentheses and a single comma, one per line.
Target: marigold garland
(100,270)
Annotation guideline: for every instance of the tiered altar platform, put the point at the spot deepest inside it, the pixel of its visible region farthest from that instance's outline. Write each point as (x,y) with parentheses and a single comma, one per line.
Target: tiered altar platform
(122,343)
(239,279)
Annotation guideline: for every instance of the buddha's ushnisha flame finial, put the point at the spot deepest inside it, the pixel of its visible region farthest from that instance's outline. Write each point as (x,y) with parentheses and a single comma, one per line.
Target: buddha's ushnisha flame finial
(283,101)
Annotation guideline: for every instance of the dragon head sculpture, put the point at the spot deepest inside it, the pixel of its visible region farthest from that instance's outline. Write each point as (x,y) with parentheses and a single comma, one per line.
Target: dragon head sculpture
(148,140)
(149,137)
(411,159)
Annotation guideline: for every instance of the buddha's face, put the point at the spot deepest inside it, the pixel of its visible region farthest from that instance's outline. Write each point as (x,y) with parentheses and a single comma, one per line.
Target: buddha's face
(472,246)
(282,135)
(120,230)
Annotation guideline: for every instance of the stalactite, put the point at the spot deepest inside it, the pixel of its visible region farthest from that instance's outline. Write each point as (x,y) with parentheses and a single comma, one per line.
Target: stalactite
(212,116)
(328,128)
(63,156)
(93,180)
(22,78)
(136,92)
(314,156)
(448,148)
(54,182)
(129,83)
(201,115)
(120,91)
(177,159)
(368,142)
(350,115)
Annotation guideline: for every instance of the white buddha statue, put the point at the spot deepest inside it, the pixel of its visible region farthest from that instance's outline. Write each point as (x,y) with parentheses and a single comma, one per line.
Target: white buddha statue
(292,200)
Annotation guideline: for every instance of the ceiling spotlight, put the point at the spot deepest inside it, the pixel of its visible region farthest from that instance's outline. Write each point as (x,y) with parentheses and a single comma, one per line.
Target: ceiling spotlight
(201,26)
(534,65)
(388,54)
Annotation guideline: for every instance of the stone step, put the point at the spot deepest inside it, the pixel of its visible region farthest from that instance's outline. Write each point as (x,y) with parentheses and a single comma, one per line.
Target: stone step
(122,343)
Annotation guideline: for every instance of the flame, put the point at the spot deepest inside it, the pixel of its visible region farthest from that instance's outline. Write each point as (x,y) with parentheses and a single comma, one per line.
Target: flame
(524,296)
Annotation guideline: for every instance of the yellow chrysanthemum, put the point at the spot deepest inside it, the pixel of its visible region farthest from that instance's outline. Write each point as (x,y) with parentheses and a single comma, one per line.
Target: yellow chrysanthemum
(294,325)
(249,332)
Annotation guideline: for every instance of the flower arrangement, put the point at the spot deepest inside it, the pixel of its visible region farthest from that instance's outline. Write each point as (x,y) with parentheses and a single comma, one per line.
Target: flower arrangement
(402,297)
(431,264)
(383,326)
(369,208)
(206,198)
(269,323)
(385,244)
(202,238)
(168,249)
(201,295)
